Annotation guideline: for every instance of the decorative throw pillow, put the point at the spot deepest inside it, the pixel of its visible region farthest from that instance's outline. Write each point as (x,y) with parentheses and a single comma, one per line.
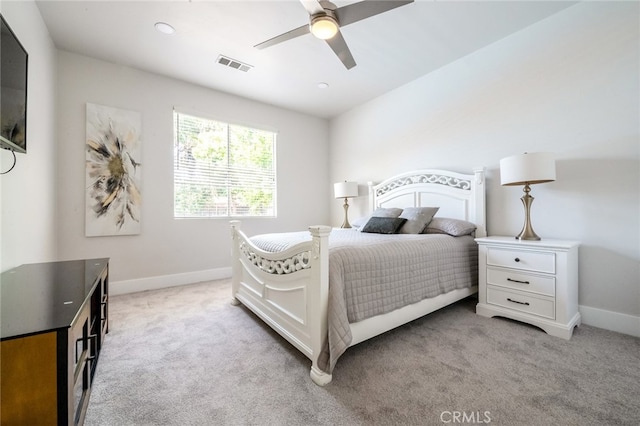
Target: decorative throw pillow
(383,225)
(386,212)
(379,212)
(454,227)
(417,219)
(359,222)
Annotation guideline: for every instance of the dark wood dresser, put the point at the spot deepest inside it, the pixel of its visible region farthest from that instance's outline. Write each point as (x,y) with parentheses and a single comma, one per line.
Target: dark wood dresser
(54,317)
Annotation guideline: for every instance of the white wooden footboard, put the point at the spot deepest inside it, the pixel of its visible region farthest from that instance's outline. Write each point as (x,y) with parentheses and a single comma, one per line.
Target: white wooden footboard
(288,290)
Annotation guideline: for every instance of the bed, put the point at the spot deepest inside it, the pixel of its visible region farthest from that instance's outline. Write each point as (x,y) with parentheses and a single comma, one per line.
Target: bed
(302,283)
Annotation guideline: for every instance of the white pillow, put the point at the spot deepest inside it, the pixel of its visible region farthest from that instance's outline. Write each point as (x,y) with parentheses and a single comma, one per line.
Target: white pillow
(454,227)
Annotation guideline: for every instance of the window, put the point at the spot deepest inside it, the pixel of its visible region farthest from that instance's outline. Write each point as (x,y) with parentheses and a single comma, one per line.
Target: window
(222,170)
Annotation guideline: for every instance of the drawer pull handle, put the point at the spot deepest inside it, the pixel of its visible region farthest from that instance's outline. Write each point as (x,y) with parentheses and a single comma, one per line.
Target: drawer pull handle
(517,259)
(93,341)
(517,281)
(79,352)
(519,303)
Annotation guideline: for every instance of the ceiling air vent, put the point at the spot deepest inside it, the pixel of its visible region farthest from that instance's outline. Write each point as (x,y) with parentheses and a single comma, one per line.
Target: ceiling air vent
(232,63)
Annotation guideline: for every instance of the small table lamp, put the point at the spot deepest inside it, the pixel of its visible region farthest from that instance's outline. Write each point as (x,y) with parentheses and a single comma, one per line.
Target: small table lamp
(527,169)
(345,190)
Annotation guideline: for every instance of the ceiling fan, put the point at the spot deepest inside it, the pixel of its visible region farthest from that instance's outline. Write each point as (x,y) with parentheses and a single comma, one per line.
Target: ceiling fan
(325,20)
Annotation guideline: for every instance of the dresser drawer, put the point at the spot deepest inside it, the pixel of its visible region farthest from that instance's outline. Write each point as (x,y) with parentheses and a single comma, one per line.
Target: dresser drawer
(522,281)
(538,261)
(523,302)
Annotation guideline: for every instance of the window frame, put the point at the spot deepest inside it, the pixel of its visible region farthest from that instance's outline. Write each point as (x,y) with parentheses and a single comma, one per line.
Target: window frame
(229,197)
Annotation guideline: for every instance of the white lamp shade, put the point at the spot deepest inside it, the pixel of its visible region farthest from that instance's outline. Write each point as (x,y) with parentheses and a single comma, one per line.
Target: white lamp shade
(528,168)
(345,189)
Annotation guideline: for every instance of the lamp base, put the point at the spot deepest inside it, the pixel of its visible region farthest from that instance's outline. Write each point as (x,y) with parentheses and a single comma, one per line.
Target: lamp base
(527,232)
(346,223)
(527,235)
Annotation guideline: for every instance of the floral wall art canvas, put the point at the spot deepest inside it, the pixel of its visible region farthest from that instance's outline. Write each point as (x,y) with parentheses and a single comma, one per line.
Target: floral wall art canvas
(113,171)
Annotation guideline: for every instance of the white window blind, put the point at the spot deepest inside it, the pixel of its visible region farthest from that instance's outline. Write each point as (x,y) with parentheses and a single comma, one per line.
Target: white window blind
(222,170)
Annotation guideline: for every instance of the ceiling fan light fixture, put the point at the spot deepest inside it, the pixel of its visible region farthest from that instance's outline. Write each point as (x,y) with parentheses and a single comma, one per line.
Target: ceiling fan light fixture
(324,27)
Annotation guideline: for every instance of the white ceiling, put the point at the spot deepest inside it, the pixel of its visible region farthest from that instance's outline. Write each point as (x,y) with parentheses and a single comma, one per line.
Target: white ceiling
(390,49)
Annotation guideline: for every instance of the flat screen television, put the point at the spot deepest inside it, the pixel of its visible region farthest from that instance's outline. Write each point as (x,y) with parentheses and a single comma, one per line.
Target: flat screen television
(13,91)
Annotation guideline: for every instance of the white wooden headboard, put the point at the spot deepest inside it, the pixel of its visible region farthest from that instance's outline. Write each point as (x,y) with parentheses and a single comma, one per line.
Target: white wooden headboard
(459,196)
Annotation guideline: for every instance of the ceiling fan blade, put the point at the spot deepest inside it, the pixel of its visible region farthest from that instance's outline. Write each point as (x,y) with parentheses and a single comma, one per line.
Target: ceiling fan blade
(284,37)
(365,9)
(339,46)
(313,6)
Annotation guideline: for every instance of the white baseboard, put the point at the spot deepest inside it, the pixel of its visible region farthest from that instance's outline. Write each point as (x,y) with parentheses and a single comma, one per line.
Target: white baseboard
(614,321)
(164,281)
(609,320)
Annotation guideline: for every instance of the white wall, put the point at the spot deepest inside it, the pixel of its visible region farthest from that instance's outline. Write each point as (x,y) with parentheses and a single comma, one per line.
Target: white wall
(28,192)
(170,251)
(568,85)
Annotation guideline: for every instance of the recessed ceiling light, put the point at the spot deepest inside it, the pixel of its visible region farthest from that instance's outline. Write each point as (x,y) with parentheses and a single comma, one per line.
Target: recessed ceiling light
(165,28)
(323,85)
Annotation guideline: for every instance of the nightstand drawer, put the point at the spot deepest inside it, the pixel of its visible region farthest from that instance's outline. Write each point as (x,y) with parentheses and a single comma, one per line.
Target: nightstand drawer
(522,281)
(538,261)
(523,302)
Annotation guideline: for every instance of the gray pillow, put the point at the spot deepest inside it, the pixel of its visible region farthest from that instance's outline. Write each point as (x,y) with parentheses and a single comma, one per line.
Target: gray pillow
(417,219)
(386,212)
(454,227)
(379,212)
(383,225)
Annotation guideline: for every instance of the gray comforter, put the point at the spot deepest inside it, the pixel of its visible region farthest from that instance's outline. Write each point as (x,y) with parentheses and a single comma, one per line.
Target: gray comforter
(372,274)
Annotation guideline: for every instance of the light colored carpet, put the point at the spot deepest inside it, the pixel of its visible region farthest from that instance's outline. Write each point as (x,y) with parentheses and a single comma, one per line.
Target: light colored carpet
(185,356)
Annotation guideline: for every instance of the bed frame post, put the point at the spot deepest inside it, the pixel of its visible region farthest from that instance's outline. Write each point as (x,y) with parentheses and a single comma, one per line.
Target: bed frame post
(236,267)
(478,202)
(318,301)
(372,198)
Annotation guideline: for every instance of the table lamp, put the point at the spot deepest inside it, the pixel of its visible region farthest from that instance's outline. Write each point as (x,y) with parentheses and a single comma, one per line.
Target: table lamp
(527,169)
(345,190)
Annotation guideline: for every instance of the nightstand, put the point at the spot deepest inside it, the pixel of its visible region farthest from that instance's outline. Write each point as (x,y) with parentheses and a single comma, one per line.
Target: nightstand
(530,281)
